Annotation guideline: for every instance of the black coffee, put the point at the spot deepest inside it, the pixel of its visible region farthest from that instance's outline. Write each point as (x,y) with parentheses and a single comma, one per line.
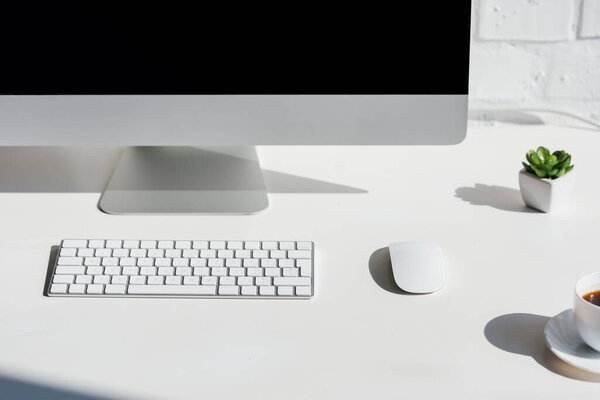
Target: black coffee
(593,297)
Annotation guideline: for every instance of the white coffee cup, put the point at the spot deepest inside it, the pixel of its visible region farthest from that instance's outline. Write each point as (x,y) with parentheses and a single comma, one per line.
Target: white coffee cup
(587,315)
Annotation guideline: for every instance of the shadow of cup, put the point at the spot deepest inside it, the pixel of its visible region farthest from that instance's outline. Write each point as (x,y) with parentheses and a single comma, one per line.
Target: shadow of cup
(523,334)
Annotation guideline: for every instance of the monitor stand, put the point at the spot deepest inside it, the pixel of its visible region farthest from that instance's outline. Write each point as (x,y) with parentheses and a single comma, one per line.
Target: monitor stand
(186,180)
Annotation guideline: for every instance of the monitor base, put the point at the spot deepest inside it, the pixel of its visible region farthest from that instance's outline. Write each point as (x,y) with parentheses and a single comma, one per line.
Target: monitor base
(186,180)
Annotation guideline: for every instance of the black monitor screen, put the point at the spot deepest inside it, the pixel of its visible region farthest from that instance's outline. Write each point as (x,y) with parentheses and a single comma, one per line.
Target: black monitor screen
(293,48)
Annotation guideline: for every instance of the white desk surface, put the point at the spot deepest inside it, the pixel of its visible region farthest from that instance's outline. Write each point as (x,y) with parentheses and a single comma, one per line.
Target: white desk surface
(509,270)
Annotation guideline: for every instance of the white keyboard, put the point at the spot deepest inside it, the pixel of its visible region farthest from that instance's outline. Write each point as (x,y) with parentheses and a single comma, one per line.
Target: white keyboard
(182,268)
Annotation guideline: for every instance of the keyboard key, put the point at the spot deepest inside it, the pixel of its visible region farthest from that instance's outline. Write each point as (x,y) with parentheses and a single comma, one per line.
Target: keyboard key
(235,245)
(227,280)
(208,253)
(305,267)
(148,270)
(267,291)
(71,270)
(77,288)
(201,271)
(58,288)
(131,244)
(145,262)
(116,289)
(137,280)
(233,262)
(285,281)
(285,291)
(218,271)
(119,280)
(83,279)
(127,261)
(155,280)
(156,253)
(162,262)
(173,253)
(216,262)
(112,270)
(225,253)
(252,245)
(63,278)
(209,280)
(249,290)
(110,261)
(198,262)
(70,261)
(272,272)
(245,281)
(290,272)
(200,244)
(299,254)
(229,290)
(251,262)
(68,252)
(173,280)
(191,280)
(183,244)
(86,252)
(173,290)
(166,244)
(190,253)
(217,244)
(270,245)
(287,246)
(183,271)
(268,263)
(74,243)
(278,253)
(114,244)
(243,254)
(254,271)
(96,244)
(120,253)
(138,253)
(287,263)
(130,270)
(304,246)
(166,271)
(101,279)
(148,244)
(180,262)
(263,281)
(95,289)
(260,254)
(103,252)
(237,272)
(303,291)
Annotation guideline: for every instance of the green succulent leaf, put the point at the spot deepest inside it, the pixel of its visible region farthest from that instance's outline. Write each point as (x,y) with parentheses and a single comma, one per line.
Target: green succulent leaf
(539,172)
(569,168)
(552,173)
(560,173)
(542,153)
(534,159)
(552,160)
(528,168)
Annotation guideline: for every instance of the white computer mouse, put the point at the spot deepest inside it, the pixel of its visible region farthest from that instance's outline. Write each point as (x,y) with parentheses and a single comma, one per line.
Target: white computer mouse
(418,267)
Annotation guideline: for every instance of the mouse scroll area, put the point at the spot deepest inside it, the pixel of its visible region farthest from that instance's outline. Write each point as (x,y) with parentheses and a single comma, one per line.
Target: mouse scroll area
(418,267)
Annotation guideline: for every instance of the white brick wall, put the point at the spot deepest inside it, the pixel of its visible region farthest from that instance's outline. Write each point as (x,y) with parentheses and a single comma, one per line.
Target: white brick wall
(536,54)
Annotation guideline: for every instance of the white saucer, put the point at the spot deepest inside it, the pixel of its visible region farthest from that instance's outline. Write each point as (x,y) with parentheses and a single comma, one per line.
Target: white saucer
(563,340)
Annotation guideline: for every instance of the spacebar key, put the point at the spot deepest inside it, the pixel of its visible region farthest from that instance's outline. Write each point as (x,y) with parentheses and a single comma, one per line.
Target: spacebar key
(172,290)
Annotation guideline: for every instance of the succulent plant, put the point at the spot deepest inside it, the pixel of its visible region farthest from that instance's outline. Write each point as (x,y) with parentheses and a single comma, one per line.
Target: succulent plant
(546,165)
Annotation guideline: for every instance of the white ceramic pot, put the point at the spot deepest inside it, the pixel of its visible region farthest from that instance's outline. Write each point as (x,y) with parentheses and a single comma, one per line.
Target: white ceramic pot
(546,195)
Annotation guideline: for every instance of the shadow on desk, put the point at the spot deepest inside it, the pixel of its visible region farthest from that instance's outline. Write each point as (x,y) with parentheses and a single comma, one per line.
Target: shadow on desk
(524,334)
(88,169)
(12,388)
(500,197)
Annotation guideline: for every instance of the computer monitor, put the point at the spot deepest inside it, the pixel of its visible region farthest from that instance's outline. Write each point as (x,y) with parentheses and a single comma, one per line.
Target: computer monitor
(168,78)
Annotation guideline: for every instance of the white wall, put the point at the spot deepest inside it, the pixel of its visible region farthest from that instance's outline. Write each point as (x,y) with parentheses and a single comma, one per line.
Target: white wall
(536,54)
